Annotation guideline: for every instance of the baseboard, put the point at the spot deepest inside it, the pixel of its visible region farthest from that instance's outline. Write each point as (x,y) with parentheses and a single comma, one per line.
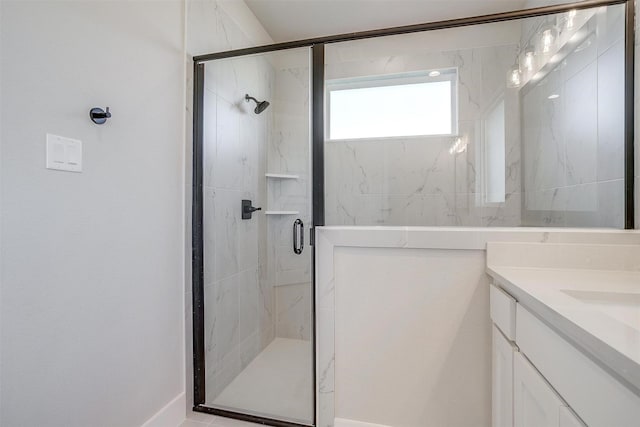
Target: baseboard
(341,422)
(171,415)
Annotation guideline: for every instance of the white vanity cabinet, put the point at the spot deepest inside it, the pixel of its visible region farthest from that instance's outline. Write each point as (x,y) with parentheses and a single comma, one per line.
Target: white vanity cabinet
(535,403)
(503,314)
(502,380)
(540,379)
(521,396)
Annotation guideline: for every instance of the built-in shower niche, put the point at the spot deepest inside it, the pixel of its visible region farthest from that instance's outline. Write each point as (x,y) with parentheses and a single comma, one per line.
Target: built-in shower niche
(258,357)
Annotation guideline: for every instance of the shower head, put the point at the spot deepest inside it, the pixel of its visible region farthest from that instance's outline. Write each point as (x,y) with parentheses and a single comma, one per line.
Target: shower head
(260,105)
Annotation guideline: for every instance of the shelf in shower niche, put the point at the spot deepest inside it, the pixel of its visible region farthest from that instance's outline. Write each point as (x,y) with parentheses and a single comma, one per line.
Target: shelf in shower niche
(281,212)
(281,176)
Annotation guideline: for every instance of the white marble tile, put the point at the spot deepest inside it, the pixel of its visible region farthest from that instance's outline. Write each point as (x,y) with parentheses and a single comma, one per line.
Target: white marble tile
(229,158)
(211,326)
(230,368)
(611,113)
(354,167)
(422,166)
(324,288)
(249,348)
(325,367)
(293,311)
(580,125)
(469,82)
(227,315)
(507,214)
(584,54)
(610,23)
(610,209)
(249,145)
(209,232)
(248,293)
(210,136)
(228,226)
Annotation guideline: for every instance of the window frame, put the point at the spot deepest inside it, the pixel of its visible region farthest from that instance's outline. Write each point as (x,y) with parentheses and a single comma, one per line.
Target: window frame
(397,79)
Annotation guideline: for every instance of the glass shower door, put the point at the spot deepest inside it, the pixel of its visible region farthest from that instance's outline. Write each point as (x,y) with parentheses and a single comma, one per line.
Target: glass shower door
(256,219)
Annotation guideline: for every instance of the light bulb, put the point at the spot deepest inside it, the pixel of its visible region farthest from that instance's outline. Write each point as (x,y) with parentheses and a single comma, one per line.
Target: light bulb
(528,61)
(547,41)
(571,16)
(514,77)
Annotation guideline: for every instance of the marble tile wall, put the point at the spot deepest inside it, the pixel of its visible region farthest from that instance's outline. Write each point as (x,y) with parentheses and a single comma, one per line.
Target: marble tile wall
(239,316)
(417,181)
(574,142)
(288,153)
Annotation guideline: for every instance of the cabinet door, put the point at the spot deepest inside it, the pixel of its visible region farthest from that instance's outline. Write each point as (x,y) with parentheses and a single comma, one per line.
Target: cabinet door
(536,404)
(501,381)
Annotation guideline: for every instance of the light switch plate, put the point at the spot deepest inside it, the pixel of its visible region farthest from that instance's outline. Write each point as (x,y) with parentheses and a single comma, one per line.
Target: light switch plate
(64,154)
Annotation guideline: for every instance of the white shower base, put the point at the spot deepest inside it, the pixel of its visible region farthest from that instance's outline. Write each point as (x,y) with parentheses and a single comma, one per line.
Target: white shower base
(276,384)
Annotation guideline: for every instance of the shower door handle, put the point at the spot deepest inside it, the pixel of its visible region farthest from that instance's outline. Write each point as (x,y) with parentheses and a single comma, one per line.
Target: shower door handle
(298,236)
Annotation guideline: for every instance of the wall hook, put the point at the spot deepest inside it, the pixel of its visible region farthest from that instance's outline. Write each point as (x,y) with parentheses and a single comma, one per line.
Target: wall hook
(98,115)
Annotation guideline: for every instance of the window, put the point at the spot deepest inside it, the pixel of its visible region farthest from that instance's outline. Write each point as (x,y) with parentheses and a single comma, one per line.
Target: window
(399,105)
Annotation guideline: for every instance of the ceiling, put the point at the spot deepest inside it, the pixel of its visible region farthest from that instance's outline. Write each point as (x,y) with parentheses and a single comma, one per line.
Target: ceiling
(287,20)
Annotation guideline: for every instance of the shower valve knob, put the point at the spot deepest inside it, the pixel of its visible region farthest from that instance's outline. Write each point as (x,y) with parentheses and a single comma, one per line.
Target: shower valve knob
(248,209)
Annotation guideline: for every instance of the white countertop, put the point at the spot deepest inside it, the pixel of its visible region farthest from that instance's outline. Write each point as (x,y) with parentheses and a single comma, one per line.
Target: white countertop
(597,308)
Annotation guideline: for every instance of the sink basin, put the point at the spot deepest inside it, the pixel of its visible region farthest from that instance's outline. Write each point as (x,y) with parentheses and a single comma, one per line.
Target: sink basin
(622,306)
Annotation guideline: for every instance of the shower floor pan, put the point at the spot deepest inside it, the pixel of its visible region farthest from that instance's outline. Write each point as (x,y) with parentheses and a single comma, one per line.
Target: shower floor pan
(276,384)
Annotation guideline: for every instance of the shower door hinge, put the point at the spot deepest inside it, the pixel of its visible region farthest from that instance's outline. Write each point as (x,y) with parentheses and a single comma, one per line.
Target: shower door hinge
(312,236)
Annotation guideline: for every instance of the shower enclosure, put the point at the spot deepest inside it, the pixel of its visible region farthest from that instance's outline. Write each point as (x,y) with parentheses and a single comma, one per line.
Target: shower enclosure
(256,215)
(517,119)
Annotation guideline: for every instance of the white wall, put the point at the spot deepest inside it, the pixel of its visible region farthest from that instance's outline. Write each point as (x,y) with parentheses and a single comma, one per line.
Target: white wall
(92,265)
